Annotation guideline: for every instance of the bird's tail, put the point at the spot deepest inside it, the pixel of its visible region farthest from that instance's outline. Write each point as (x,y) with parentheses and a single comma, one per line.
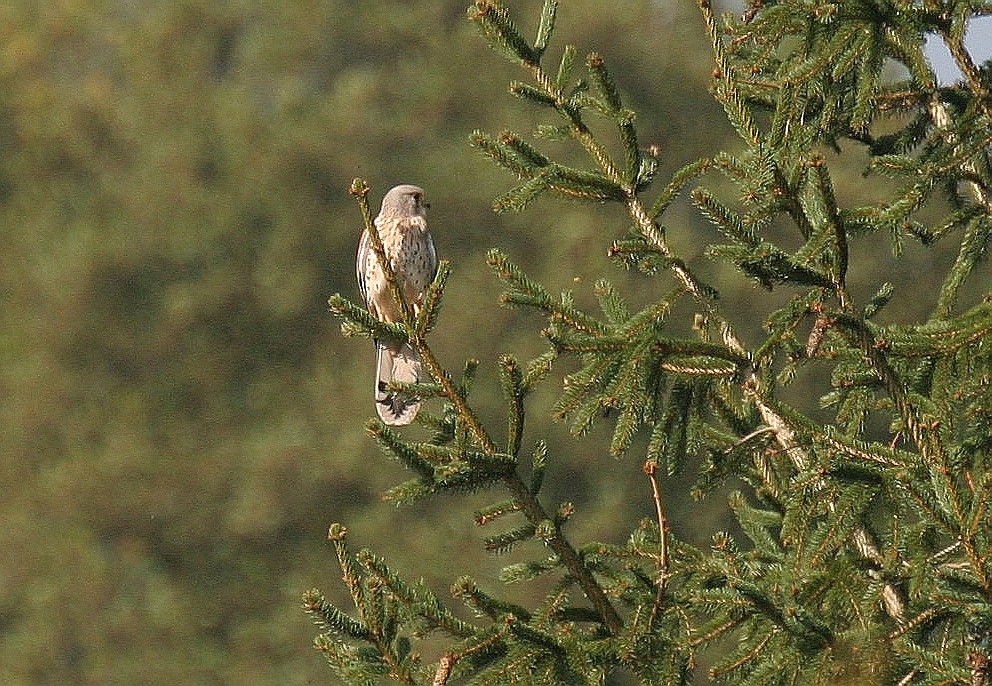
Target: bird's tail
(398,363)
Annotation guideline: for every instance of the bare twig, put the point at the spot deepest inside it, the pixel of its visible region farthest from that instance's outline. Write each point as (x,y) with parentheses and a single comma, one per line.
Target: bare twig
(651,469)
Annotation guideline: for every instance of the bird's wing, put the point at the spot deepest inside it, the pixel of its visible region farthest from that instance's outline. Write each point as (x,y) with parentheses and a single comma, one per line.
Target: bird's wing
(433,255)
(361,259)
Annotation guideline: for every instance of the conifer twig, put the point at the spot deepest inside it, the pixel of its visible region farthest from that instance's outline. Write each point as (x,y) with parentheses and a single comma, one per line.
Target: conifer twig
(651,469)
(972,76)
(444,667)
(941,117)
(569,556)
(447,662)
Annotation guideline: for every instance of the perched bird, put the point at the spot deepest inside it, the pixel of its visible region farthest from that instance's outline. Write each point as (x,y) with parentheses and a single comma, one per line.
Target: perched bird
(409,247)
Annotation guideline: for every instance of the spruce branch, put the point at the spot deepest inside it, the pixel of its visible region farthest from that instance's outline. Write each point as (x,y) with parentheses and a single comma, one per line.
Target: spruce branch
(724,84)
(942,119)
(480,601)
(496,26)
(431,305)
(785,432)
(919,424)
(512,381)
(393,445)
(447,662)
(618,185)
(954,40)
(546,26)
(570,558)
(358,320)
(426,602)
(456,397)
(376,625)
(330,619)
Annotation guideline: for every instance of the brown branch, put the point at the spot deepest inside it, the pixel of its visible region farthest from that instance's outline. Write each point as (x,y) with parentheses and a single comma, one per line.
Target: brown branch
(651,469)
(444,666)
(569,556)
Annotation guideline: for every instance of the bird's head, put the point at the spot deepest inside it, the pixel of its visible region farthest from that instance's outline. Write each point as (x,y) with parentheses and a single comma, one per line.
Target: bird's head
(405,200)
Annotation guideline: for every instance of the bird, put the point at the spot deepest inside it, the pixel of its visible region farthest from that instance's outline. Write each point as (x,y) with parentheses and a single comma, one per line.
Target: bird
(409,247)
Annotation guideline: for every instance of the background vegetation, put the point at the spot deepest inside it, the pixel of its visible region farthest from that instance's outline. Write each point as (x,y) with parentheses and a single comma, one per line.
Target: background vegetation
(181,417)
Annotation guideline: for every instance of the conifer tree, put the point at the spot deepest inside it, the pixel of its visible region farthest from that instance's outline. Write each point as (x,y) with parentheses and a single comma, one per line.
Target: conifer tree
(864,548)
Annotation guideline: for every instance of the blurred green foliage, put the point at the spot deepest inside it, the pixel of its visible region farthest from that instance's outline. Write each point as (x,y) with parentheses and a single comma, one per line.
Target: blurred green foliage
(181,417)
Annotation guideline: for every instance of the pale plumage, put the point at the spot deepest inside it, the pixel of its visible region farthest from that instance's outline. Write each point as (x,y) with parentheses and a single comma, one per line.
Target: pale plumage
(409,247)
